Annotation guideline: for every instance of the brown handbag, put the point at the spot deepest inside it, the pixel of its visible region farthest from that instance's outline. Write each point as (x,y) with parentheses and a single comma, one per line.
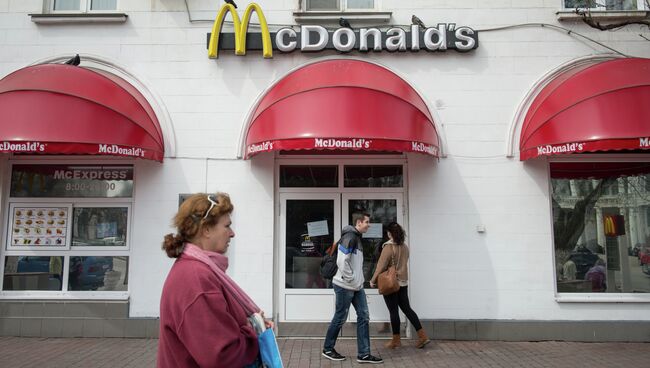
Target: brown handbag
(387,281)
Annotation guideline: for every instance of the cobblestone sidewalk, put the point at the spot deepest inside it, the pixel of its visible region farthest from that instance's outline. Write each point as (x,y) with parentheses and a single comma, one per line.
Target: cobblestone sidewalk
(89,352)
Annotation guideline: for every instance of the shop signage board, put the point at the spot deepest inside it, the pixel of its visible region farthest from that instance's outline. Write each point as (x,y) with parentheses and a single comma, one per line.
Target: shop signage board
(316,38)
(86,181)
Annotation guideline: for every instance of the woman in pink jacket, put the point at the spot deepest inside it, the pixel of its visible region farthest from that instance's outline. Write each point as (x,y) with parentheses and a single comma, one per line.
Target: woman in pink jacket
(203,313)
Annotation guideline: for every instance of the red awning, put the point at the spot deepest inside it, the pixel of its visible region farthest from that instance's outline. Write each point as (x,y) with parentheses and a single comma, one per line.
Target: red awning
(64,109)
(342,105)
(601,107)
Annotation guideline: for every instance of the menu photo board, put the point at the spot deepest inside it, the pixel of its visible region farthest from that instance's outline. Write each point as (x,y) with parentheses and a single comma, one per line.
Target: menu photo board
(38,226)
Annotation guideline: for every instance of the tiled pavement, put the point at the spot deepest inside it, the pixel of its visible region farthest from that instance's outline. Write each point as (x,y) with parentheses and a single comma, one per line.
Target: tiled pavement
(18,352)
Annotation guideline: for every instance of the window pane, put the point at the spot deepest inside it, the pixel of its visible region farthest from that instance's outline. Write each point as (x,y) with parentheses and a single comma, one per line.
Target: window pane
(33,273)
(323,5)
(600,230)
(309,176)
(621,4)
(602,4)
(67,4)
(103,5)
(96,226)
(98,273)
(58,181)
(361,4)
(374,176)
(382,212)
(305,248)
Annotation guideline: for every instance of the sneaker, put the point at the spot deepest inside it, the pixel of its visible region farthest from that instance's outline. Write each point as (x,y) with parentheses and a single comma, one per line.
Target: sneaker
(370,359)
(333,355)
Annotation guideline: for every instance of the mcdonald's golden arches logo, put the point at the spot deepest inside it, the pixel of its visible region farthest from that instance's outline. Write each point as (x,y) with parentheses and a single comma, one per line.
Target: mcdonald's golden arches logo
(241,28)
(614,225)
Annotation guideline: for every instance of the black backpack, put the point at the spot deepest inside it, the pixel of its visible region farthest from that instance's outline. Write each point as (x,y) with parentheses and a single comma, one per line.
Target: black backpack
(328,265)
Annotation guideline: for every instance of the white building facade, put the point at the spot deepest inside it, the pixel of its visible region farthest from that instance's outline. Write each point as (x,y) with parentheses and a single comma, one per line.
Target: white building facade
(465,142)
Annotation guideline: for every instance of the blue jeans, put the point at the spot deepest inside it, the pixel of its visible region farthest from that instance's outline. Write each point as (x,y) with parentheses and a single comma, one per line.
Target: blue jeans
(344,298)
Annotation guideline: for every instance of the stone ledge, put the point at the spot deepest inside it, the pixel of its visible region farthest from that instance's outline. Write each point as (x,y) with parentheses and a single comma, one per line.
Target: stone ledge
(604,15)
(62,18)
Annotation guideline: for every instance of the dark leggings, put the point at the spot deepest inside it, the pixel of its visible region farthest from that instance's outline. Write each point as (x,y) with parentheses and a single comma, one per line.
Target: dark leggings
(401,299)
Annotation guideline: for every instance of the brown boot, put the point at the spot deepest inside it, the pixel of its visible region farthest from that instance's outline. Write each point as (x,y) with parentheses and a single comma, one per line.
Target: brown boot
(422,339)
(395,342)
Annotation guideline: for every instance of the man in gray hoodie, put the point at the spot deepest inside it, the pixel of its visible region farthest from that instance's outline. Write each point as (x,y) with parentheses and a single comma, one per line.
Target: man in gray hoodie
(348,288)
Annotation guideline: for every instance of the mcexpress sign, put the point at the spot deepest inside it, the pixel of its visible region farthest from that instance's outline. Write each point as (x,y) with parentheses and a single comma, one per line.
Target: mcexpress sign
(314,38)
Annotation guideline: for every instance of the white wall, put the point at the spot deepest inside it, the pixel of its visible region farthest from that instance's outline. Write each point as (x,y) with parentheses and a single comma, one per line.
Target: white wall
(506,272)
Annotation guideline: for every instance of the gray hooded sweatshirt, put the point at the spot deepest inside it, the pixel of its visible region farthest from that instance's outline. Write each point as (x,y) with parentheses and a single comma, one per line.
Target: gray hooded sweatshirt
(349,260)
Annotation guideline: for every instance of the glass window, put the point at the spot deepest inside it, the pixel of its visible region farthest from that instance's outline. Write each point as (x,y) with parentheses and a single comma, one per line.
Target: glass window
(339,4)
(33,273)
(389,176)
(309,176)
(99,273)
(85,181)
(361,4)
(601,234)
(99,226)
(306,241)
(60,5)
(53,231)
(603,4)
(382,212)
(103,4)
(323,5)
(83,5)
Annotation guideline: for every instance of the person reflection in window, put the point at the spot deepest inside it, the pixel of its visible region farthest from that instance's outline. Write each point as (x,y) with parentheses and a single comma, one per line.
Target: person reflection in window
(569,270)
(597,275)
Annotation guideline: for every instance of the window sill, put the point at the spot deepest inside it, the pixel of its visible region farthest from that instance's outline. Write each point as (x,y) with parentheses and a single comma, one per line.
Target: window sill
(60,18)
(603,15)
(601,298)
(334,16)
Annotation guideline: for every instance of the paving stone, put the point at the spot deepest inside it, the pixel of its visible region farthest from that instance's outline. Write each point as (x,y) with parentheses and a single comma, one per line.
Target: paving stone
(120,352)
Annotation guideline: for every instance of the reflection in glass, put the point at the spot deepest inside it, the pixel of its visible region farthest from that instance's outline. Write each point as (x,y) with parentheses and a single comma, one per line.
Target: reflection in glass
(297,176)
(304,251)
(601,229)
(67,4)
(103,4)
(382,176)
(361,4)
(601,4)
(96,226)
(322,4)
(101,273)
(33,273)
(57,181)
(381,211)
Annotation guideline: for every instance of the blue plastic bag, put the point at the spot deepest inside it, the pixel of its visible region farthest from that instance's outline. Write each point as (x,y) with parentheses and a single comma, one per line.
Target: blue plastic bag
(269,350)
(269,356)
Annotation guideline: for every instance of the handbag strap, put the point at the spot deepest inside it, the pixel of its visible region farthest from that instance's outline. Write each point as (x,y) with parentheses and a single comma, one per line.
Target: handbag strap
(392,258)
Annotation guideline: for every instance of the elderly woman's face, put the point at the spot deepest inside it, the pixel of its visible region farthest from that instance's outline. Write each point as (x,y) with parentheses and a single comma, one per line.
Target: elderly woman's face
(219,235)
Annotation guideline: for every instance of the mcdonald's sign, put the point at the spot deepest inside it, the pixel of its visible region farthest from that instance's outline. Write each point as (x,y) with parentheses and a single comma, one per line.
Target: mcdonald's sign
(315,38)
(241,29)
(614,225)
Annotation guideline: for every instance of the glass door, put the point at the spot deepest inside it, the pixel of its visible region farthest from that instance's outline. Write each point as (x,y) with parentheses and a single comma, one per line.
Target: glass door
(383,209)
(310,223)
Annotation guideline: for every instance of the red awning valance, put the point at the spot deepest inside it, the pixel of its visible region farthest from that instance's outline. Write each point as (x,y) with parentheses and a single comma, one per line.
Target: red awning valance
(342,105)
(601,107)
(64,109)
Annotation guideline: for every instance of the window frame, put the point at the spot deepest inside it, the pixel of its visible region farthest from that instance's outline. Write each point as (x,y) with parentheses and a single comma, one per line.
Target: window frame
(69,251)
(587,297)
(84,8)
